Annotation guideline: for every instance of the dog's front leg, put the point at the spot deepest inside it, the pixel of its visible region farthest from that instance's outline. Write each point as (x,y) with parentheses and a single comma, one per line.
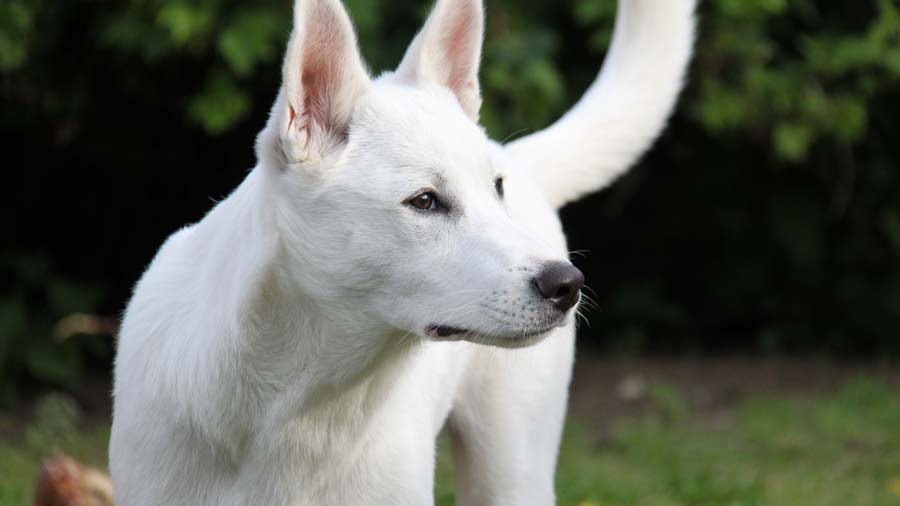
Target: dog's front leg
(507,423)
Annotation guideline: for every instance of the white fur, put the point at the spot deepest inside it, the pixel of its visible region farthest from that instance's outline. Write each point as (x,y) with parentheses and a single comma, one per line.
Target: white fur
(276,352)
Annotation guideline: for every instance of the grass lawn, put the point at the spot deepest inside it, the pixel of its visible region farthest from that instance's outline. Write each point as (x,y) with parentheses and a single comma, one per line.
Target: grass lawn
(840,449)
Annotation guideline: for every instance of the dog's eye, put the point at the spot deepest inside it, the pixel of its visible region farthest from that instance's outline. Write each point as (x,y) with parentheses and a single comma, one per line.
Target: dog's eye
(427,201)
(498,186)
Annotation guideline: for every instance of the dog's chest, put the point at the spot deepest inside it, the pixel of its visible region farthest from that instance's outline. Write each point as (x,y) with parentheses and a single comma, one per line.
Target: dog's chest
(347,454)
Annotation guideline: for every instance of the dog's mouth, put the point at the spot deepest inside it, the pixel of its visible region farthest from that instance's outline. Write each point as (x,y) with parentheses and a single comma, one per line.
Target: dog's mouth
(448,332)
(443,331)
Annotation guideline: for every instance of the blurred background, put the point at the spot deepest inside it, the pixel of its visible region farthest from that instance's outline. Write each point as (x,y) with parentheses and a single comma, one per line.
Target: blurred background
(745,341)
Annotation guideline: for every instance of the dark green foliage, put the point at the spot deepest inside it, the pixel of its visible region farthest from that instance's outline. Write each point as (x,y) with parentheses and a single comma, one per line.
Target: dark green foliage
(30,348)
(767,219)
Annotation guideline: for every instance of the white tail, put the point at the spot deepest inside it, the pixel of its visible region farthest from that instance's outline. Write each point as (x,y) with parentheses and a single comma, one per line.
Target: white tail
(623,111)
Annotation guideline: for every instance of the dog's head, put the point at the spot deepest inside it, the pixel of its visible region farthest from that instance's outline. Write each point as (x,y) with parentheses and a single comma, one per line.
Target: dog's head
(392,203)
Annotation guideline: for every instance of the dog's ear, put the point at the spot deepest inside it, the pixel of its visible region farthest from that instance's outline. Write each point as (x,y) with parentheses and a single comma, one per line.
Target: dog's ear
(448,50)
(323,77)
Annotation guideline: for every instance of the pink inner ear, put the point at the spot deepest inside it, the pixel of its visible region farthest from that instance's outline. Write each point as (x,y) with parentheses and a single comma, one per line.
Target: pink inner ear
(322,51)
(460,43)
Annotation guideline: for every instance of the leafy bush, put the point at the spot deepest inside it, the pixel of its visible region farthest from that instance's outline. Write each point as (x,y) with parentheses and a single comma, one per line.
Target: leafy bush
(29,347)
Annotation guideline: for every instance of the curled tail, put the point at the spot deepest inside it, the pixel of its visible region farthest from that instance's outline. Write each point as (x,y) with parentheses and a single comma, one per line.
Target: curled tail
(623,111)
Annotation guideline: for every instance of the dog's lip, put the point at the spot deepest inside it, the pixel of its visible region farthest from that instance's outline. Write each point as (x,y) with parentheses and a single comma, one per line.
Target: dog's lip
(525,336)
(442,331)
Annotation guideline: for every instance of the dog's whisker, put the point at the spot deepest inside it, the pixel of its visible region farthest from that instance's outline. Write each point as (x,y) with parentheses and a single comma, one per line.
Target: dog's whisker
(589,302)
(589,288)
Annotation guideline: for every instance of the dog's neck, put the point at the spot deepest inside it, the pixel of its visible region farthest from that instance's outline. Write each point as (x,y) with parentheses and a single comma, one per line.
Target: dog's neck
(279,356)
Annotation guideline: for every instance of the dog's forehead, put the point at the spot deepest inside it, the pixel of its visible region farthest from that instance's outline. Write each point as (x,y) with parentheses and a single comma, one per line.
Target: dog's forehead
(424,127)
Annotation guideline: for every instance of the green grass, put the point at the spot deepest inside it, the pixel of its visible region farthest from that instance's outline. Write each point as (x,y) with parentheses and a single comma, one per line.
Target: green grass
(842,449)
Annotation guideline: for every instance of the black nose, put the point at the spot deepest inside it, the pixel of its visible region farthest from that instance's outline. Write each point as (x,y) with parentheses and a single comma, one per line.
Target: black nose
(559,283)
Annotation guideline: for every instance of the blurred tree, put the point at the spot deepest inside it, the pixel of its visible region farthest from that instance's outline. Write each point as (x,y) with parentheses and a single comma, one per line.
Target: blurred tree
(768,219)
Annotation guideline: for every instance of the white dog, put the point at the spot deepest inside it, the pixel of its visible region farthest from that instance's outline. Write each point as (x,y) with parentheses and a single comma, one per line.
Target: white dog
(306,341)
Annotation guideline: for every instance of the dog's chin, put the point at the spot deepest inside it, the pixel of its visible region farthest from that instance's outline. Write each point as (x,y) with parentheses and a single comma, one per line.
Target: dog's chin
(513,338)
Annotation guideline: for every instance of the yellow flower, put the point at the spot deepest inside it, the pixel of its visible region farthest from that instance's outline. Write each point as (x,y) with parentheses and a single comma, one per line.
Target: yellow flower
(588,502)
(893,486)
